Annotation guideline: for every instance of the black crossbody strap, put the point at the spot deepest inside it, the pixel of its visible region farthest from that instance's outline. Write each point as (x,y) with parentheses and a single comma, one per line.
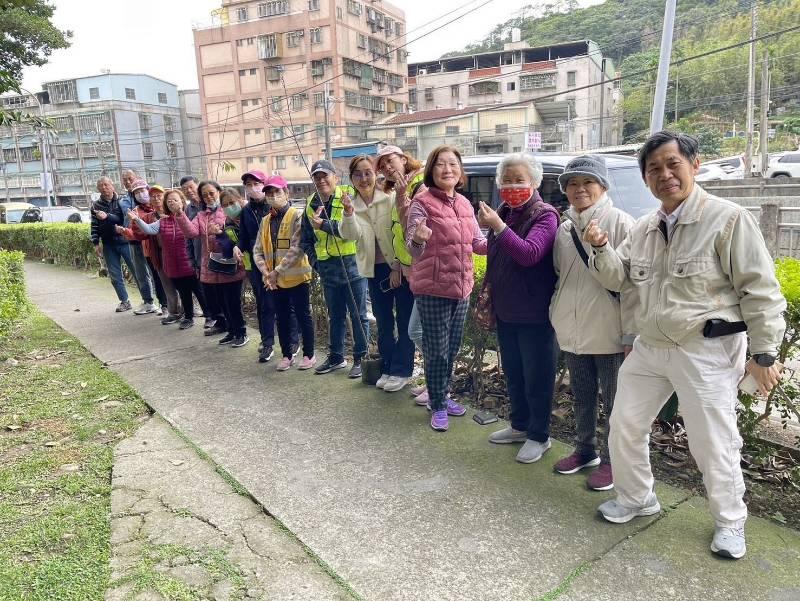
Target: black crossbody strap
(582,253)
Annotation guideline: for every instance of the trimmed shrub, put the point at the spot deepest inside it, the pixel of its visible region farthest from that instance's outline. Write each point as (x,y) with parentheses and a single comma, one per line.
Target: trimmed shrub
(13,302)
(60,243)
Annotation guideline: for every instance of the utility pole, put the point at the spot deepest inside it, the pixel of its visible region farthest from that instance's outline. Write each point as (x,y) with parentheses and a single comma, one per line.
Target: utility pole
(676,96)
(5,176)
(751,92)
(602,97)
(660,98)
(763,134)
(325,99)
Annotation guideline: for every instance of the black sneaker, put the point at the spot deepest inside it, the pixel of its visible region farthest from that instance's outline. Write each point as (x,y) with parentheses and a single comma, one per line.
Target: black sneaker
(355,371)
(241,341)
(265,354)
(123,306)
(165,321)
(329,365)
(213,331)
(260,346)
(227,339)
(186,324)
(209,323)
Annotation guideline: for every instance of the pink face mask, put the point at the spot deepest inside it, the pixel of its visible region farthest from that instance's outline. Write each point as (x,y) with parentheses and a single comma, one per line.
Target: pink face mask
(515,195)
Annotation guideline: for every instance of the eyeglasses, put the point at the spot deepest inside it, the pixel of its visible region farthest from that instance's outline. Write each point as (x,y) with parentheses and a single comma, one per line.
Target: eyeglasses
(453,166)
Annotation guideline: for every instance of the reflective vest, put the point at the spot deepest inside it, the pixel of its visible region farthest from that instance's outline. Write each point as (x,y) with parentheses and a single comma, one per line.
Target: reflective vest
(328,246)
(298,273)
(398,234)
(233,236)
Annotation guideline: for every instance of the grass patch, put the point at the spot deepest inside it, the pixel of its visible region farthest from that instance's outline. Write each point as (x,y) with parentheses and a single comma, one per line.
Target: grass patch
(62,414)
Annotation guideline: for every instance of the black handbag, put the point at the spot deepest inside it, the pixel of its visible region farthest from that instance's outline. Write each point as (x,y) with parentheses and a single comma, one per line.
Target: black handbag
(220,264)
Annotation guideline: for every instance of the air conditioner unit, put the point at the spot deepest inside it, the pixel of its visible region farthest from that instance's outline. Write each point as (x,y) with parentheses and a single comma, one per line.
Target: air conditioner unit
(422,72)
(275,172)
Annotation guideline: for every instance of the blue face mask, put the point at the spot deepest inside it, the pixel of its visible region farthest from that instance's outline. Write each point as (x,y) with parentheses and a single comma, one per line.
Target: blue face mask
(233,211)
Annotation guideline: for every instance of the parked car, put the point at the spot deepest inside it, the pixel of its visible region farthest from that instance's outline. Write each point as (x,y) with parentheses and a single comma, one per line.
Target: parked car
(13,212)
(628,190)
(709,172)
(63,214)
(784,164)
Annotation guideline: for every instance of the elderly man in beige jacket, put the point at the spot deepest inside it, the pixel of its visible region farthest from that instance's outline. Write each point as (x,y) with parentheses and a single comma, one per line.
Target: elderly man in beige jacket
(703,275)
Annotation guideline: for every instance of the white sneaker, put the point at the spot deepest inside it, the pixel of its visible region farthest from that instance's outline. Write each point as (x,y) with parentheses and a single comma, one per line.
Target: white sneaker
(729,542)
(395,383)
(144,309)
(159,311)
(382,381)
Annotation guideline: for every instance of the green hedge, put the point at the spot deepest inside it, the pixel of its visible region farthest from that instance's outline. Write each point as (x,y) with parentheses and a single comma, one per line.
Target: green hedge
(13,302)
(60,243)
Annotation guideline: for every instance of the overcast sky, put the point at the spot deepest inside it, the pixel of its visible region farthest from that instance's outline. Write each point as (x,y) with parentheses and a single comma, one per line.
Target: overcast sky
(155,36)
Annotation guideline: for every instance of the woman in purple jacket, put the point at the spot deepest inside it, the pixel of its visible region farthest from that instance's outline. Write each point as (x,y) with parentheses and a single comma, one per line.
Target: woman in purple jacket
(520,274)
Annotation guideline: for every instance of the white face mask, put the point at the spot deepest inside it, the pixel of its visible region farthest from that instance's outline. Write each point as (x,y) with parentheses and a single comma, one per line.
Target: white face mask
(255,192)
(142,196)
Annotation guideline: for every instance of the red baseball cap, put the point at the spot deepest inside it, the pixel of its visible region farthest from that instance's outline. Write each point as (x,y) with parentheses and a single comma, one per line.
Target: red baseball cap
(276,181)
(256,175)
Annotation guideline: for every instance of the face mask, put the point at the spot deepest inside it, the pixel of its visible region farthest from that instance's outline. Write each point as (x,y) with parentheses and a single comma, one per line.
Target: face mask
(233,211)
(212,207)
(255,194)
(515,195)
(141,197)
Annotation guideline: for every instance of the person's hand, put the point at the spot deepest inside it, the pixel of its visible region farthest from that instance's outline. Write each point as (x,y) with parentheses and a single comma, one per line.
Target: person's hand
(488,217)
(101,215)
(97,250)
(347,203)
(133,215)
(119,229)
(175,206)
(316,220)
(423,232)
(214,228)
(627,348)
(237,254)
(766,377)
(272,280)
(400,181)
(594,235)
(395,278)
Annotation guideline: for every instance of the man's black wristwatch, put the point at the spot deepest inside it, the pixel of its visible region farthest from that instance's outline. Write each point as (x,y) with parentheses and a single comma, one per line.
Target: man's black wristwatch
(764,359)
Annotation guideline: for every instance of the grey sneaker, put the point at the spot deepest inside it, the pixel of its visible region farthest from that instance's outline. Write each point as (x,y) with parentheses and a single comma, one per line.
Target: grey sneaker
(144,309)
(619,514)
(729,542)
(507,436)
(532,451)
(123,306)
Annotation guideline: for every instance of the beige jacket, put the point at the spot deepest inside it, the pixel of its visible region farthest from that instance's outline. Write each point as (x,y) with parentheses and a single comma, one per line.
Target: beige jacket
(715,266)
(586,318)
(367,224)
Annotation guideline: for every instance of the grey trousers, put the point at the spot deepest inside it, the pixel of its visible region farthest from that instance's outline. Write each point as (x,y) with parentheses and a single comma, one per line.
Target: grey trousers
(585,372)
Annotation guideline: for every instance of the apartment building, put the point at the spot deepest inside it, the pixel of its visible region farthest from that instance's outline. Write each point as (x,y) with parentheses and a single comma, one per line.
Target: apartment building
(194,146)
(102,125)
(263,68)
(575,73)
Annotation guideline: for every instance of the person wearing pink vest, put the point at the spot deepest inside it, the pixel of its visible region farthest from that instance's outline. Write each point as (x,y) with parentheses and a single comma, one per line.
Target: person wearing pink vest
(441,235)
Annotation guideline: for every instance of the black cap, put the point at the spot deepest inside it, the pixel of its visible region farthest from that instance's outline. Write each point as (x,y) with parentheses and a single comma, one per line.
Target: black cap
(324,166)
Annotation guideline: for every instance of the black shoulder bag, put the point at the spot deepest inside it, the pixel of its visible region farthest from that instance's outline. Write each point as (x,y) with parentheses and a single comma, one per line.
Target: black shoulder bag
(584,257)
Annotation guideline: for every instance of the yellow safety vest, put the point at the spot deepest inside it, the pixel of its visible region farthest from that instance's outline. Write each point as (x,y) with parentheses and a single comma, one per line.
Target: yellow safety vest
(326,247)
(398,234)
(298,273)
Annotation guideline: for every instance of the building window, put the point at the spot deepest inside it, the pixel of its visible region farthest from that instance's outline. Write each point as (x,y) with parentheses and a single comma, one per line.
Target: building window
(64,123)
(277,133)
(400,133)
(151,175)
(339,13)
(162,98)
(319,99)
(313,4)
(537,81)
(276,103)
(402,56)
(272,73)
(65,151)
(451,130)
(10,155)
(316,35)
(94,93)
(571,75)
(298,101)
(398,28)
(172,150)
(280,162)
(251,41)
(253,71)
(240,43)
(250,160)
(484,87)
(501,128)
(355,8)
(362,41)
(169,124)
(454,91)
(26,154)
(145,122)
(412,96)
(271,9)
(130,94)
(317,68)
(241,14)
(268,46)
(511,86)
(429,94)
(147,150)
(293,38)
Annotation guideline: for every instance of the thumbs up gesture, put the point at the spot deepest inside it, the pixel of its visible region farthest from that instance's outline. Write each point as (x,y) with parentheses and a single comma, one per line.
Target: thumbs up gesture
(594,235)
(423,232)
(316,220)
(347,203)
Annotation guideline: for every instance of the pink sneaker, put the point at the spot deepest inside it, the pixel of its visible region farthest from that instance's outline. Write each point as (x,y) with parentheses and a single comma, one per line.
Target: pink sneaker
(417,390)
(308,362)
(285,363)
(422,398)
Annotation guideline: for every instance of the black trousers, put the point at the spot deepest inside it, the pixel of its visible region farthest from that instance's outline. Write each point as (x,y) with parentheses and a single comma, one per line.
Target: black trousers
(293,305)
(186,287)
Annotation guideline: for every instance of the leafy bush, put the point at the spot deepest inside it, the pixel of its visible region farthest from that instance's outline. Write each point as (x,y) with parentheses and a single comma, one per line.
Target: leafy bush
(60,243)
(13,302)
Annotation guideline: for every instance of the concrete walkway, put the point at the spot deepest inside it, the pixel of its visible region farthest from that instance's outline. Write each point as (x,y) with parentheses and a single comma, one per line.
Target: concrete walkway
(394,509)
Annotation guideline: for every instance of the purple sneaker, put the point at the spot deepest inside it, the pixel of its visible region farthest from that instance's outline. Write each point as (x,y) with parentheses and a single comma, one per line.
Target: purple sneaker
(453,408)
(439,421)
